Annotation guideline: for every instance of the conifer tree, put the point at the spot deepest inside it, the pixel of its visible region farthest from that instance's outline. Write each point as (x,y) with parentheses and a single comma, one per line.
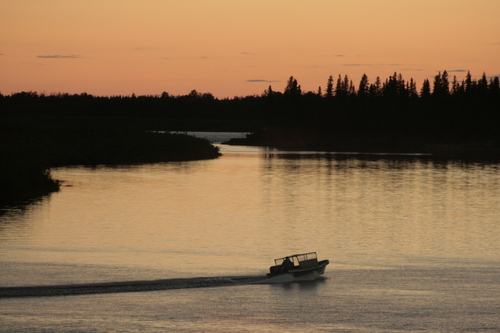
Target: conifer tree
(339,87)
(292,88)
(347,85)
(378,86)
(468,83)
(482,85)
(393,86)
(412,88)
(441,86)
(425,92)
(351,91)
(436,87)
(329,87)
(363,89)
(445,84)
(268,92)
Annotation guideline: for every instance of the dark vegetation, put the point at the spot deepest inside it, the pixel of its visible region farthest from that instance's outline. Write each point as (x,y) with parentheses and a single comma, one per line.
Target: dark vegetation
(34,138)
(446,117)
(24,175)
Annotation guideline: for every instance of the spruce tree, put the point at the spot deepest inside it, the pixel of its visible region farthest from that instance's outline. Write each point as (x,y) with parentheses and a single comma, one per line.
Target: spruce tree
(363,89)
(292,88)
(425,92)
(329,87)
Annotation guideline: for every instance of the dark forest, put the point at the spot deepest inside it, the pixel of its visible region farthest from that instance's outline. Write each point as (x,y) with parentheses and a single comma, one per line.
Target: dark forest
(442,111)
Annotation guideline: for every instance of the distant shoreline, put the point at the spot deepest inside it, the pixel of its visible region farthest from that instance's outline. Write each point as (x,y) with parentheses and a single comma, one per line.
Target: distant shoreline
(470,151)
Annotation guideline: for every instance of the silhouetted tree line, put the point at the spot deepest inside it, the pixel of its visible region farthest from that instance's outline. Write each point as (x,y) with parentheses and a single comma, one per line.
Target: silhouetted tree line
(390,114)
(469,108)
(394,110)
(193,106)
(393,105)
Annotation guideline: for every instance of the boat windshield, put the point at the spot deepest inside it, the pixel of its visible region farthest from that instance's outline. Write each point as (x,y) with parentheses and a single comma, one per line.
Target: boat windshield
(298,259)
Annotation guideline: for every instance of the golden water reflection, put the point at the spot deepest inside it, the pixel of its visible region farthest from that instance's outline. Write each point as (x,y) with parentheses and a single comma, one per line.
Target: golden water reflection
(235,214)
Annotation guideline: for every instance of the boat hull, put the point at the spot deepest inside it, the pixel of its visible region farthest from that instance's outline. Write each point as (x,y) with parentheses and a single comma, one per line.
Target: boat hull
(301,272)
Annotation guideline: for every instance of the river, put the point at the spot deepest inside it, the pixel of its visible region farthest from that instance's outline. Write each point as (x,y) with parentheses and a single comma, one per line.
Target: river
(413,245)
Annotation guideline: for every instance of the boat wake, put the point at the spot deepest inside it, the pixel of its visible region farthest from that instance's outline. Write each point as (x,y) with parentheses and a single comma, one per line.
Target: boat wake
(128,286)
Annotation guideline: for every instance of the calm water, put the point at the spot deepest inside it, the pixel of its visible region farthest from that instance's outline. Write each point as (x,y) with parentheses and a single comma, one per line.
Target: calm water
(413,245)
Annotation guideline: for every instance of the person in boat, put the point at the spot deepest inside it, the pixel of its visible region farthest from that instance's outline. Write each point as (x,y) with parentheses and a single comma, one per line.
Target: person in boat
(287,264)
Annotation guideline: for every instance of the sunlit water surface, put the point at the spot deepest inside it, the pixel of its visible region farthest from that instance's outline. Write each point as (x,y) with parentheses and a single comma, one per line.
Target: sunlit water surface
(413,245)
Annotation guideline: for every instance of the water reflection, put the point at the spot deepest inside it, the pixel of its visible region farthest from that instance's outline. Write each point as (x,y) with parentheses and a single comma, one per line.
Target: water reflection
(229,216)
(17,220)
(412,204)
(403,235)
(374,159)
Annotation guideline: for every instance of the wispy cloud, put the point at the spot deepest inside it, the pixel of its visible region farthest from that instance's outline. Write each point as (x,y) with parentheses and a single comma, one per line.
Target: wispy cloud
(259,80)
(458,71)
(58,56)
(1,54)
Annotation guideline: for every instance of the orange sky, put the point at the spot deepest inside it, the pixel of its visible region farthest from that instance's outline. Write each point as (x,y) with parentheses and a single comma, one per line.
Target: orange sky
(237,47)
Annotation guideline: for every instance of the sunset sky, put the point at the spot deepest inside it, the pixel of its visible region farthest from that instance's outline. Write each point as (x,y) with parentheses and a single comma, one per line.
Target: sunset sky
(238,47)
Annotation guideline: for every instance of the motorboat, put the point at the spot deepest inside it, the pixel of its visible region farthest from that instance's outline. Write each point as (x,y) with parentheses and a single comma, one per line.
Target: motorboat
(298,265)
